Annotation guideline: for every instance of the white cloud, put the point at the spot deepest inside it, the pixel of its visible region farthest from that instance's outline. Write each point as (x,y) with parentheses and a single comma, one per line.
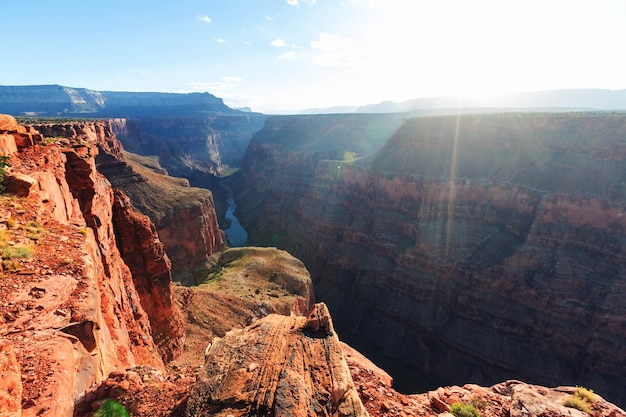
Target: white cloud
(287,55)
(336,51)
(225,83)
(328,42)
(278,43)
(297,3)
(205,18)
(220,40)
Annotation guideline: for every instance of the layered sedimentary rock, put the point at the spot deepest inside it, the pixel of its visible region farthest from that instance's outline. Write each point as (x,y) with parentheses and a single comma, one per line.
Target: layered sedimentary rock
(143,252)
(279,366)
(199,148)
(70,310)
(188,145)
(184,216)
(244,285)
(476,248)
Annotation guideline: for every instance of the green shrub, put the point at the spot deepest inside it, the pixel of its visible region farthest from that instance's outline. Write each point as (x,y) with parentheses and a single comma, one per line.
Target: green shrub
(111,408)
(33,230)
(464,410)
(4,163)
(585,394)
(18,251)
(581,399)
(578,403)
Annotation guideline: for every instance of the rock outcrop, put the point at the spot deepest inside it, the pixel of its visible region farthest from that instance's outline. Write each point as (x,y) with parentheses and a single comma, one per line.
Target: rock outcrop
(476,248)
(184,216)
(70,311)
(243,285)
(279,366)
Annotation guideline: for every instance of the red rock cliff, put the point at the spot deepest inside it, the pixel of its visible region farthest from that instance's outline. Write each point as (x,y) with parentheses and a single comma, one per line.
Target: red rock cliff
(184,216)
(70,313)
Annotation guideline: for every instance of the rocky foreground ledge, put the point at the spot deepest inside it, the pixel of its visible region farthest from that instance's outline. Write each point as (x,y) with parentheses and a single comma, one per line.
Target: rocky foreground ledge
(295,366)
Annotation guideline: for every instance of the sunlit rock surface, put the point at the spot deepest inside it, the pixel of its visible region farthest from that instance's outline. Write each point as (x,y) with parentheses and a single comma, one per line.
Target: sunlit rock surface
(70,312)
(280,366)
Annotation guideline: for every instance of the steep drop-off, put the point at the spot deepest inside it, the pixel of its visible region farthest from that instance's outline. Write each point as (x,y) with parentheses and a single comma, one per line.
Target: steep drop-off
(476,248)
(184,216)
(210,144)
(201,149)
(72,311)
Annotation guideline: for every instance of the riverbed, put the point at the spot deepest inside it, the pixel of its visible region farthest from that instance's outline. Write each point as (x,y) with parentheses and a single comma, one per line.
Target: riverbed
(235,233)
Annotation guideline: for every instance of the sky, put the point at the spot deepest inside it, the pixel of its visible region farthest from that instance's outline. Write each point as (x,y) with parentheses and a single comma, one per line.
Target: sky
(282,56)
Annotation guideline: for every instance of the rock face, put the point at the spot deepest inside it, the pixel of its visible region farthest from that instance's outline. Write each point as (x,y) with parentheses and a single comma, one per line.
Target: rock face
(477,248)
(192,234)
(143,252)
(189,146)
(70,310)
(279,366)
(184,217)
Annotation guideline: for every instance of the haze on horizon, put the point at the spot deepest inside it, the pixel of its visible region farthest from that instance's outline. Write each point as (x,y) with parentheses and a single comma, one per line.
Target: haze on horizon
(289,55)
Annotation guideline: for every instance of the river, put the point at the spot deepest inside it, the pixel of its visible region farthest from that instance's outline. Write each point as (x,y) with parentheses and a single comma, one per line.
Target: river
(235,233)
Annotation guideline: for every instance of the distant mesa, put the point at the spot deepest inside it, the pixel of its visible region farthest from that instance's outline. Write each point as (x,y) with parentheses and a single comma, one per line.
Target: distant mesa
(57,100)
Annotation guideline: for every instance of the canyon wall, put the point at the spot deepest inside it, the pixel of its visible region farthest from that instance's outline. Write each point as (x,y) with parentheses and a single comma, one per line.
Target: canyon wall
(184,216)
(72,310)
(474,248)
(201,149)
(211,144)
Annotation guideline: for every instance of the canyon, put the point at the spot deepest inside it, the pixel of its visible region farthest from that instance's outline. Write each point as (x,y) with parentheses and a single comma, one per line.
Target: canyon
(184,216)
(472,248)
(477,249)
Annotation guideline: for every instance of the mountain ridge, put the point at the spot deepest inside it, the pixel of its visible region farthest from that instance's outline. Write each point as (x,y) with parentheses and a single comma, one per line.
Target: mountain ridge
(55,100)
(584,99)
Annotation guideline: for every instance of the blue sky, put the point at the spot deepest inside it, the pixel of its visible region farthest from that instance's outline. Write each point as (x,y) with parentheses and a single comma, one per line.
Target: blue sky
(287,55)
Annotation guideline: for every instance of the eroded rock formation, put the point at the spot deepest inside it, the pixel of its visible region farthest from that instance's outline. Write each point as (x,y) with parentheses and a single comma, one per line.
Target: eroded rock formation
(70,310)
(184,216)
(279,366)
(476,248)
(244,285)
(190,146)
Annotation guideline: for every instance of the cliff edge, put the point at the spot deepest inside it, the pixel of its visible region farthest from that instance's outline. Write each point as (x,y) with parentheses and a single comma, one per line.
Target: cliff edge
(72,311)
